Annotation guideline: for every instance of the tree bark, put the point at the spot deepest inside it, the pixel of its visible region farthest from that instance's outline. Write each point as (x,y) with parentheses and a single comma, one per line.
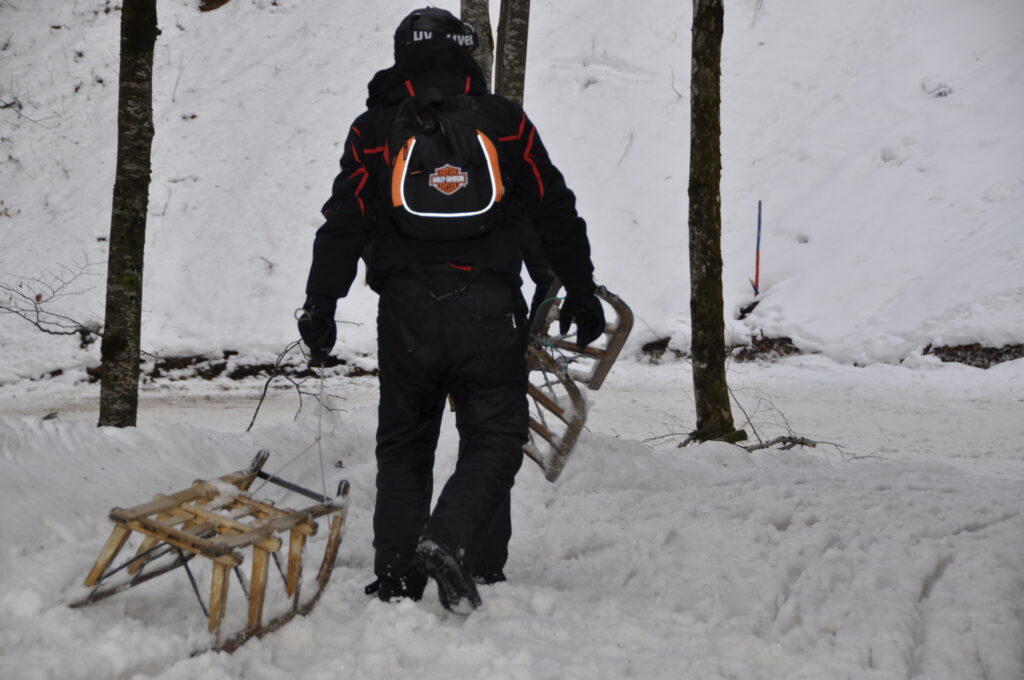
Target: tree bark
(477,13)
(119,386)
(711,392)
(510,57)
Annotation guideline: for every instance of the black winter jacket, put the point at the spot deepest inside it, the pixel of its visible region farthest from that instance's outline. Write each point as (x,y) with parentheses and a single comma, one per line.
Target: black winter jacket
(356,218)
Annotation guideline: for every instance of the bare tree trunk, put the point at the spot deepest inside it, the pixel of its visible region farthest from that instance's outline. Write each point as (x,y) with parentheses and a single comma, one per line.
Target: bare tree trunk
(510,58)
(119,386)
(478,14)
(711,392)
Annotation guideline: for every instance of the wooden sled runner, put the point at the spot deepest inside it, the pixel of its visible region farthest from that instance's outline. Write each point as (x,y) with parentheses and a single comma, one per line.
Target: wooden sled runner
(558,409)
(216,520)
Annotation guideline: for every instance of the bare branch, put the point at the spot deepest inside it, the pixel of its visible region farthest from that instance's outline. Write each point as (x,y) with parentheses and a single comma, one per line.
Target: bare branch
(32,298)
(787,442)
(745,414)
(662,436)
(280,372)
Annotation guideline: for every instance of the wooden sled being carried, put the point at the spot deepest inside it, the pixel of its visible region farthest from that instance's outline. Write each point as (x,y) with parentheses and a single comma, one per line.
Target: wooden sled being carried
(216,520)
(558,409)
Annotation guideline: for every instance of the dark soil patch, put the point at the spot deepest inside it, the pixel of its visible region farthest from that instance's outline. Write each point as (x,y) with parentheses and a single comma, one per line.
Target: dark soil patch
(657,348)
(765,348)
(976,355)
(205,367)
(760,348)
(187,366)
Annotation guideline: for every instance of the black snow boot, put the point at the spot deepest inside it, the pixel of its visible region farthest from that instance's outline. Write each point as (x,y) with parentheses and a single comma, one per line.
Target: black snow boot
(488,578)
(410,586)
(455,587)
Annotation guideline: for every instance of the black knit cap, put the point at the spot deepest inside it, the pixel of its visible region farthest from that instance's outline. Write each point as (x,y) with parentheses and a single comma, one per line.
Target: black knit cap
(433,24)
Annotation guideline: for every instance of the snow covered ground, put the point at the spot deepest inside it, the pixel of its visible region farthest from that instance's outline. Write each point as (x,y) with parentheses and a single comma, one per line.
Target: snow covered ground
(898,556)
(884,139)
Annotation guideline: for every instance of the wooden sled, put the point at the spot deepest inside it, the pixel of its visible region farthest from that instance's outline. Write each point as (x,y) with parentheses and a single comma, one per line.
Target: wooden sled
(216,520)
(558,409)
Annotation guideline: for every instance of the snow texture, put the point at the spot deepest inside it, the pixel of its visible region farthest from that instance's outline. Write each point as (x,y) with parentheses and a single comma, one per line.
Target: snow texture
(885,142)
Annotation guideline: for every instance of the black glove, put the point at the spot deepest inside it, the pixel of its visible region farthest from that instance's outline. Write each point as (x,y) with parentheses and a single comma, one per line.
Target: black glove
(586,310)
(317,327)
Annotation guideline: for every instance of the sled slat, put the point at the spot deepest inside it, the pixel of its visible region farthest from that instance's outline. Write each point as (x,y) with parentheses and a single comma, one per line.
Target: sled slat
(180,539)
(548,403)
(200,489)
(113,546)
(261,538)
(218,595)
(258,586)
(542,431)
(224,521)
(259,509)
(162,503)
(297,541)
(147,544)
(590,350)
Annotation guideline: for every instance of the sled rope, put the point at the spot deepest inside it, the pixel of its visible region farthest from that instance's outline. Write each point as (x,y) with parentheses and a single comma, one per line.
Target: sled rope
(319,432)
(284,467)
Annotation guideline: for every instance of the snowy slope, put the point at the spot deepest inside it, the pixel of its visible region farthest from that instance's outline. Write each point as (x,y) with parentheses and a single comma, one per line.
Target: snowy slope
(892,220)
(892,214)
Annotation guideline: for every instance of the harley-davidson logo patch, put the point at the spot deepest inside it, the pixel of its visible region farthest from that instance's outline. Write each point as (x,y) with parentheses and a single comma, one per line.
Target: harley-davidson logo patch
(448,179)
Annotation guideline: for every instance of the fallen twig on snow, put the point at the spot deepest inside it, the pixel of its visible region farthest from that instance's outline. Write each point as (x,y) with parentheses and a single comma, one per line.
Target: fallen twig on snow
(787,442)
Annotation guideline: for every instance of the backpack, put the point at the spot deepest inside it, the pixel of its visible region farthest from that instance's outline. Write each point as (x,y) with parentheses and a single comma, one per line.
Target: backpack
(446,178)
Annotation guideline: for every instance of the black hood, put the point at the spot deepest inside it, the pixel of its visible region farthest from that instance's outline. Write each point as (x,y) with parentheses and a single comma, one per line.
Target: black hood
(443,66)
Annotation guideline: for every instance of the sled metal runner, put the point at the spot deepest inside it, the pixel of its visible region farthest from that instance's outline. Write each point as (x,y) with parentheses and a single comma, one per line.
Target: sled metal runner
(217,520)
(558,409)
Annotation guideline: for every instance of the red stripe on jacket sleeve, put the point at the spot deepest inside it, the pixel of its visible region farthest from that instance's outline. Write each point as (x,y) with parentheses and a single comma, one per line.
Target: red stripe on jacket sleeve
(380,149)
(518,135)
(361,170)
(528,157)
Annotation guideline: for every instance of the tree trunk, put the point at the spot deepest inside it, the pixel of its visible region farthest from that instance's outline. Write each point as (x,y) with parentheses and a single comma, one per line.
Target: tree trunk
(711,393)
(510,58)
(119,387)
(478,14)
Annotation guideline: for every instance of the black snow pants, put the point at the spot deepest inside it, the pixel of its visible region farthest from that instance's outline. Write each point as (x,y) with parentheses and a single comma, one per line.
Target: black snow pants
(470,346)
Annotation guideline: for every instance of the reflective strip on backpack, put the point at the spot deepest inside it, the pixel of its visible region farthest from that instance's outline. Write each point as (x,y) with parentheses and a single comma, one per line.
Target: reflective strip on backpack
(399,173)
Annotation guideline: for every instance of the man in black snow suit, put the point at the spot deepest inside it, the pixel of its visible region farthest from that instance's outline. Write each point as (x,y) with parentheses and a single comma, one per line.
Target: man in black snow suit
(451,319)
